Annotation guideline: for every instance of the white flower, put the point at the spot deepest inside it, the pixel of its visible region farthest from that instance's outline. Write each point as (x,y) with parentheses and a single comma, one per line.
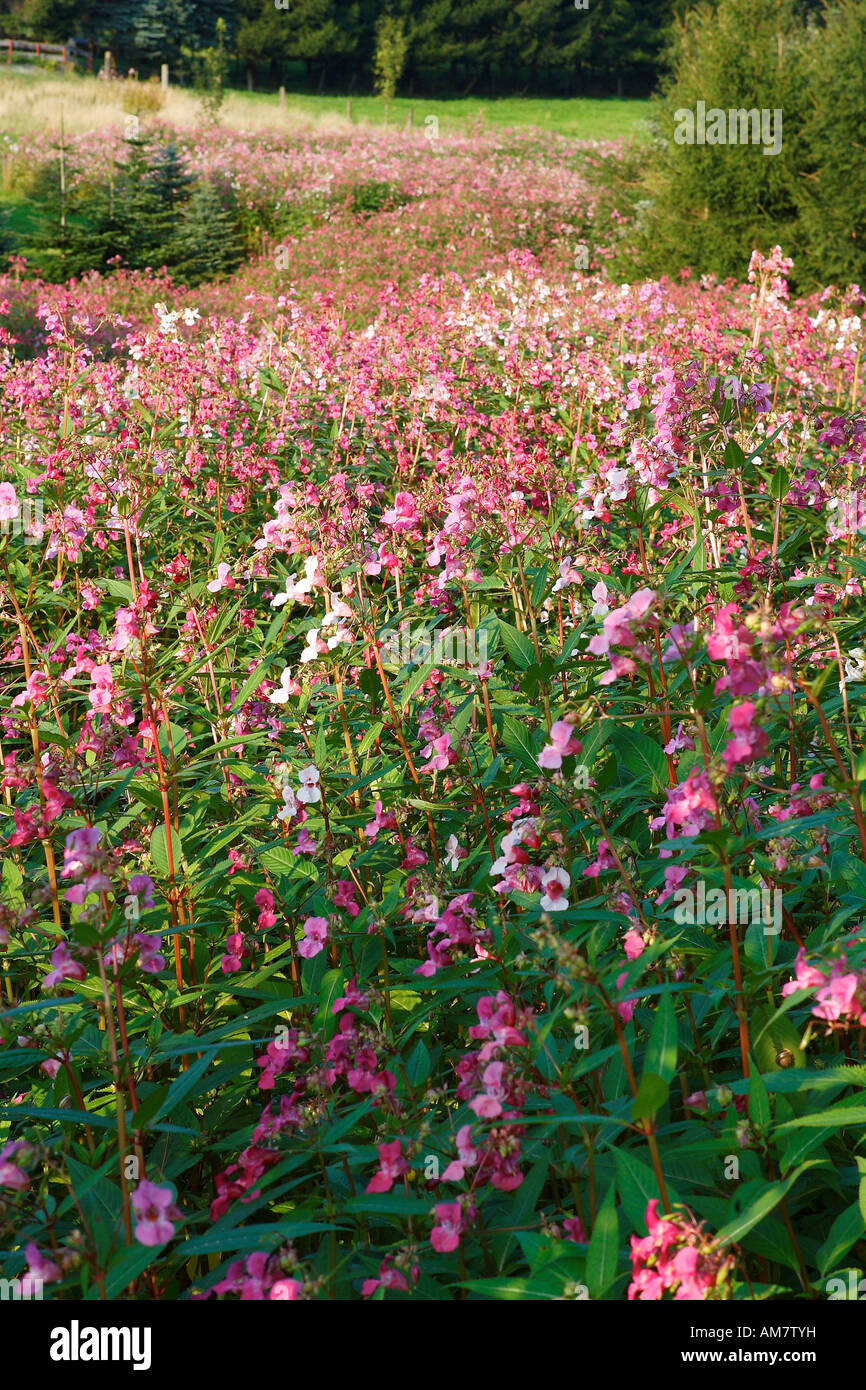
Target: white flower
(455,853)
(309,780)
(311,650)
(281,695)
(617,481)
(556,882)
(290,805)
(297,588)
(855,666)
(601,605)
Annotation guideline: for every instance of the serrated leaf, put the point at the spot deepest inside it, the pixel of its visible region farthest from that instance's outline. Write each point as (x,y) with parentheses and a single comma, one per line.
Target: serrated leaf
(517,645)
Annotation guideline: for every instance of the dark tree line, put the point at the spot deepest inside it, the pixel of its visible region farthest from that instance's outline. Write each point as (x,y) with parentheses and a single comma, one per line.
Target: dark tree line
(490,47)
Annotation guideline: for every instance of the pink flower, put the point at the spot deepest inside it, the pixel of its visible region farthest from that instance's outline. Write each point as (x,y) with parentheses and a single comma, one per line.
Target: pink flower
(39,1266)
(604,861)
(837,999)
(389,1278)
(264,900)
(56,801)
(805,976)
(155,1208)
(562,745)
(64,967)
(35,692)
(392,1165)
(449,1227)
(488,1105)
(81,854)
(286,1290)
(315,936)
(344,896)
(9,504)
(235,952)
(748,741)
(11,1175)
(439,754)
(150,959)
(634,944)
(574,1230)
(403,516)
(627,1007)
(102,691)
(125,629)
(352,999)
(677,1257)
(467,1156)
(223,580)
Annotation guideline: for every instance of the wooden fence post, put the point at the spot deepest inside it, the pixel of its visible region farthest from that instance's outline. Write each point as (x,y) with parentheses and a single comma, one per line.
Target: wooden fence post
(163,76)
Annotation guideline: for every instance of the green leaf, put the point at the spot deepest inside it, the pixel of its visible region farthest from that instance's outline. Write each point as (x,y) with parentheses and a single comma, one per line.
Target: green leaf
(637,1186)
(651,1096)
(182,1085)
(757,1210)
(845,1231)
(279,860)
(159,851)
(99,1199)
(418,1065)
(773,1033)
(519,743)
(779,484)
(517,645)
(331,988)
(734,456)
(837,1117)
(759,1101)
(253,681)
(512,1290)
(389,1204)
(661,1053)
(603,1255)
(258,1237)
(126,1266)
(642,756)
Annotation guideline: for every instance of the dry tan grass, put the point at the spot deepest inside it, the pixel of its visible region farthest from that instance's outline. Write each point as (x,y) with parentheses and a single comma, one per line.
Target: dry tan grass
(31,104)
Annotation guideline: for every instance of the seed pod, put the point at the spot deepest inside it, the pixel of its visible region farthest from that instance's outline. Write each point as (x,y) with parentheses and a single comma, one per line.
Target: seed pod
(785,1058)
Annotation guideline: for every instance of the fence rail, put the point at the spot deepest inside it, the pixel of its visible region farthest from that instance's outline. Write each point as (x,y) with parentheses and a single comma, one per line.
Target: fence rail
(69,50)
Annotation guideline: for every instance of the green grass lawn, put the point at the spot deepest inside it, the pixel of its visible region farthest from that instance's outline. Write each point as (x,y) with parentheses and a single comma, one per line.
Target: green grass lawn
(578,117)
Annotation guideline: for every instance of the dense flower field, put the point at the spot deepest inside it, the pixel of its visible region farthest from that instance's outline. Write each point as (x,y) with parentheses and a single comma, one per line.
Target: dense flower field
(432,758)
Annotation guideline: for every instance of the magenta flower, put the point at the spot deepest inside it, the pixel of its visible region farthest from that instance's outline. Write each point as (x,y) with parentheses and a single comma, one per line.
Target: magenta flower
(392,1165)
(156,1210)
(315,936)
(450,1226)
(64,967)
(39,1266)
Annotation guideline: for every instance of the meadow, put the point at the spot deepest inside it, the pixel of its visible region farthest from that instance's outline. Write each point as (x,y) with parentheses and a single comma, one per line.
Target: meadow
(31,100)
(432,746)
